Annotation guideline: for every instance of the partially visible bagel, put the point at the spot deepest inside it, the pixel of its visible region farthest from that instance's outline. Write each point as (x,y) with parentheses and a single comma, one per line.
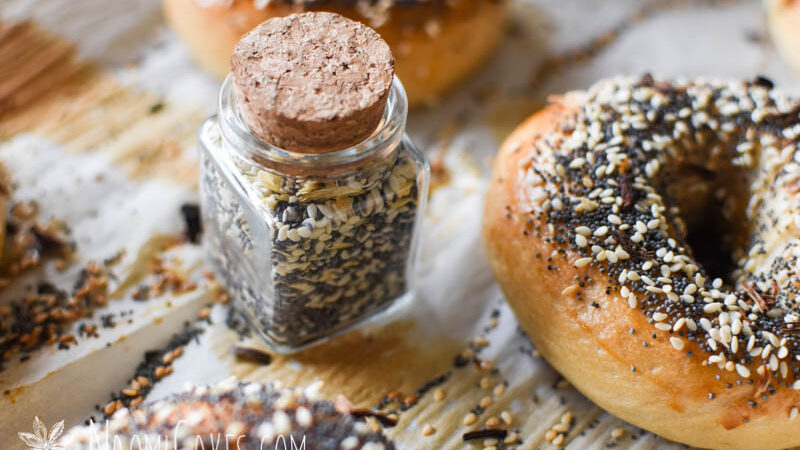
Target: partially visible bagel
(436,43)
(783,19)
(589,217)
(243,415)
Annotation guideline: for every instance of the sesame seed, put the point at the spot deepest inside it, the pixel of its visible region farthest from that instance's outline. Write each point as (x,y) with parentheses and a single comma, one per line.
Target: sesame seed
(581,262)
(469,419)
(743,371)
(511,439)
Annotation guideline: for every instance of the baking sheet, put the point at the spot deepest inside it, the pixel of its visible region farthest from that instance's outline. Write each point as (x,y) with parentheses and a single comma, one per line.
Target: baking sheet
(99,157)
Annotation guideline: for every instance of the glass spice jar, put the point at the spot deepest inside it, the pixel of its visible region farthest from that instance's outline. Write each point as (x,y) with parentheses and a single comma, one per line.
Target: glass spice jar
(310,245)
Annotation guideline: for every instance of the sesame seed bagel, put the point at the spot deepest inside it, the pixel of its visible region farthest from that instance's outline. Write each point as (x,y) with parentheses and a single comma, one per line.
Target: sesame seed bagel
(232,415)
(608,222)
(436,43)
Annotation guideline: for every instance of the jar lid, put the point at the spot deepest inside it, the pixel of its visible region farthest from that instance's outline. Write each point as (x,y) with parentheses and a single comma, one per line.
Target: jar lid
(312,82)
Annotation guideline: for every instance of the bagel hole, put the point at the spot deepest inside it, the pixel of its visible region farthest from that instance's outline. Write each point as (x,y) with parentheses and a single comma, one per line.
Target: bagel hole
(711,249)
(712,205)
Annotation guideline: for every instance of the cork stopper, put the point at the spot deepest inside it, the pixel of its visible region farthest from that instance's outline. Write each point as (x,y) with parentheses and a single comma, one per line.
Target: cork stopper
(312,82)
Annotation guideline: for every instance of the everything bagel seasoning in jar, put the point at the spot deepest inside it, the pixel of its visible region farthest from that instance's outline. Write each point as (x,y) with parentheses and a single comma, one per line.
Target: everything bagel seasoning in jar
(312,194)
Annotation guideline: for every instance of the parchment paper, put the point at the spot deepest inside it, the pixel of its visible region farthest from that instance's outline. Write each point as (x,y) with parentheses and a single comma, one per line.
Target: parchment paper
(93,180)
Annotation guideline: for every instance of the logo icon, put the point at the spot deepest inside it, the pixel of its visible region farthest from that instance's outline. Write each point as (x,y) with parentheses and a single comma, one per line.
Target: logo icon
(41,439)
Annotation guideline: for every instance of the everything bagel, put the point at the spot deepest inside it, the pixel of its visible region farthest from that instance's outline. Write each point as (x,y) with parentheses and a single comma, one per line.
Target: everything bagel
(646,234)
(243,415)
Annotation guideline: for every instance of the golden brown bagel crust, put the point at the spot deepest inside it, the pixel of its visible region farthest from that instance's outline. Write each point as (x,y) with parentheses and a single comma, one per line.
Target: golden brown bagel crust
(585,332)
(783,17)
(435,43)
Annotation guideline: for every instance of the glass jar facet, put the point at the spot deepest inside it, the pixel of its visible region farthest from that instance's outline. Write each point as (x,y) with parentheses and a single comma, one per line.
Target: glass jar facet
(309,249)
